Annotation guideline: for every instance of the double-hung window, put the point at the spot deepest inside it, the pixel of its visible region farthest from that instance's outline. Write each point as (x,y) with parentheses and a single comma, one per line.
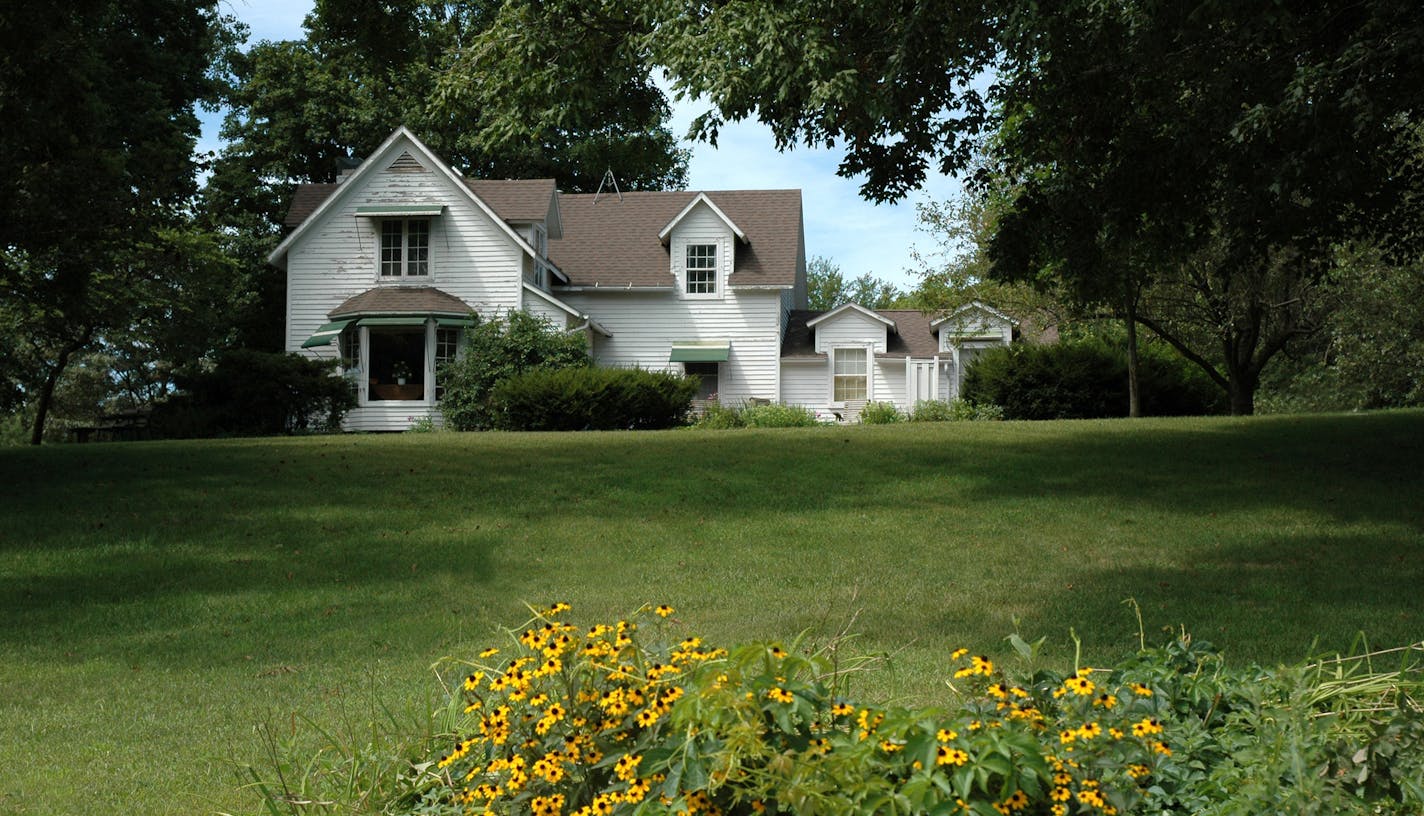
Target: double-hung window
(701,269)
(405,248)
(849,374)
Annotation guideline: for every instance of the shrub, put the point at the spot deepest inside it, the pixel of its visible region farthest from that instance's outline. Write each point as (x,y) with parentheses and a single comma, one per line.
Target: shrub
(625,717)
(772,415)
(248,393)
(720,417)
(573,399)
(776,415)
(956,411)
(880,413)
(1086,379)
(495,350)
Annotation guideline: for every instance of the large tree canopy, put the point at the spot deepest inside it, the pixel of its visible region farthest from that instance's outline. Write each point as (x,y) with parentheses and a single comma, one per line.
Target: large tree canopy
(1209,153)
(1193,166)
(97,100)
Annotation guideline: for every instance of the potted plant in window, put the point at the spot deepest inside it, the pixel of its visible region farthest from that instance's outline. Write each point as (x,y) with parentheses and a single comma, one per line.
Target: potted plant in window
(401,371)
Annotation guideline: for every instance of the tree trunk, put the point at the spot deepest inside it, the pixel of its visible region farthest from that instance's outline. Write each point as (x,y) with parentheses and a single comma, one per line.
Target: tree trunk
(1242,391)
(1134,400)
(47,390)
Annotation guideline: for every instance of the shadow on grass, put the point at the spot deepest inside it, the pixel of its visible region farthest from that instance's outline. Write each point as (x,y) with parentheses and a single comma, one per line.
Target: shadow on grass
(113,525)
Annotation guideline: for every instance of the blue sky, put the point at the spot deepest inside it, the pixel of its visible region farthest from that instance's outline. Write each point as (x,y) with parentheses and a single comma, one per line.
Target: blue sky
(840,225)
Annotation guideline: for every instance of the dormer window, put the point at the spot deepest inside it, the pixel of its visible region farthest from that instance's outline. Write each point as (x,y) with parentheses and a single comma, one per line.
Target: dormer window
(701,269)
(405,248)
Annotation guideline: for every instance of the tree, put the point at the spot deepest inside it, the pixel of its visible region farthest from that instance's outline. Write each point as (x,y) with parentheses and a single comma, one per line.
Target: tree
(99,131)
(1139,139)
(1200,194)
(955,272)
(827,288)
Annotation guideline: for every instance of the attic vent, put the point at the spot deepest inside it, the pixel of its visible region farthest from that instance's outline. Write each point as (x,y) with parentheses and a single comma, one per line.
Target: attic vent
(406,164)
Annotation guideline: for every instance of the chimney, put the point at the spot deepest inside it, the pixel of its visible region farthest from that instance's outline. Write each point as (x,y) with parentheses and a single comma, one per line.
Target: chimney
(345,167)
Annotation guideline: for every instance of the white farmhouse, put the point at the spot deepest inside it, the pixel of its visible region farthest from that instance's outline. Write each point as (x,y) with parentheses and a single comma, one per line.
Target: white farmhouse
(386,267)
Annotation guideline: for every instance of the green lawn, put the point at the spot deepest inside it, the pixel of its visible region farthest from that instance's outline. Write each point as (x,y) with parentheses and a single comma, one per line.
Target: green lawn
(160,601)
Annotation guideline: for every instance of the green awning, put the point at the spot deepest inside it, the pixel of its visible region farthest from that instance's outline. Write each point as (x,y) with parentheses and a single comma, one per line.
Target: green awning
(454,322)
(413,320)
(700,351)
(399,210)
(326,333)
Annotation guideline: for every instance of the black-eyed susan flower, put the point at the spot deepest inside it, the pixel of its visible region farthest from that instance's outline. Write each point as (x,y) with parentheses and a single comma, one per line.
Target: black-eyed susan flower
(946,735)
(490,652)
(842,710)
(663,610)
(945,755)
(1146,727)
(780,695)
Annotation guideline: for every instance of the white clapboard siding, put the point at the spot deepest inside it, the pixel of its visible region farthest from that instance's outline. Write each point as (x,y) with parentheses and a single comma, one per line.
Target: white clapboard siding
(471,257)
(645,325)
(806,383)
(850,328)
(889,385)
(390,415)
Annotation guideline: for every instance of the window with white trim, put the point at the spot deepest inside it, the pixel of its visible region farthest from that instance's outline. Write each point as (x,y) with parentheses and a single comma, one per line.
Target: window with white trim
(849,374)
(405,248)
(701,269)
(447,346)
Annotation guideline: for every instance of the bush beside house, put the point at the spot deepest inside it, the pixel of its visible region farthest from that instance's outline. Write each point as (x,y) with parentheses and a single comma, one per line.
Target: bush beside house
(1086,379)
(495,350)
(254,393)
(576,399)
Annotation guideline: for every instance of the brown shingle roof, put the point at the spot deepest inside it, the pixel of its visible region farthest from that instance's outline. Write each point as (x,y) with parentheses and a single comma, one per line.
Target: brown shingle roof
(516,199)
(615,242)
(511,199)
(305,201)
(401,300)
(912,337)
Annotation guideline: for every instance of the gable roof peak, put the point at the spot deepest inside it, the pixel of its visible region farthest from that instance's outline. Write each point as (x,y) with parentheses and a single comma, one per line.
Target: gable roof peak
(852,307)
(701,198)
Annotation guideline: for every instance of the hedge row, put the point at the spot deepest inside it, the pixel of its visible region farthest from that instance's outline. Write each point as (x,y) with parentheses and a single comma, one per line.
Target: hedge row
(576,399)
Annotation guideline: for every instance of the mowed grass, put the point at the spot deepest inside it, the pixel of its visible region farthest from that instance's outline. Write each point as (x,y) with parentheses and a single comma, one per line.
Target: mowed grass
(159,602)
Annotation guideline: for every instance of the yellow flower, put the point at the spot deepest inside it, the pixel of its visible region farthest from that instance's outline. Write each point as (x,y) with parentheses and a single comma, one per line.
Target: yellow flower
(491,652)
(780,695)
(664,610)
(945,735)
(890,747)
(958,653)
(1140,690)
(944,755)
(1090,730)
(1018,801)
(1146,727)
(842,709)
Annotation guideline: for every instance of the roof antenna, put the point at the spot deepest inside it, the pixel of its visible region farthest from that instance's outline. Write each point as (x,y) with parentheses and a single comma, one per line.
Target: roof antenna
(608,178)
